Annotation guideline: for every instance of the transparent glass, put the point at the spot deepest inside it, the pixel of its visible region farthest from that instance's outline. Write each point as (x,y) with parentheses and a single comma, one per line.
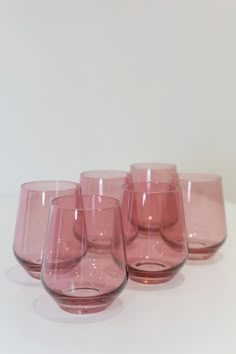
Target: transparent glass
(32,219)
(104,182)
(159,248)
(82,278)
(108,183)
(154,172)
(205,214)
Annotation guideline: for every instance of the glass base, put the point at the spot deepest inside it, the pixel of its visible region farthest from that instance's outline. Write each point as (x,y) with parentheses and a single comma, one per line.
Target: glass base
(35,275)
(152,273)
(84,300)
(201,251)
(33,269)
(82,310)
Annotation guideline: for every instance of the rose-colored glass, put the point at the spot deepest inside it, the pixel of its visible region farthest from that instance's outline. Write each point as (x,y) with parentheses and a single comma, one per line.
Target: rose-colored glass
(104,182)
(108,183)
(32,219)
(204,212)
(83,280)
(154,172)
(159,249)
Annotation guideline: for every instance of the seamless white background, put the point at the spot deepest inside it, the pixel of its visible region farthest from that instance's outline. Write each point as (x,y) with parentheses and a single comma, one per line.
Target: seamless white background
(100,84)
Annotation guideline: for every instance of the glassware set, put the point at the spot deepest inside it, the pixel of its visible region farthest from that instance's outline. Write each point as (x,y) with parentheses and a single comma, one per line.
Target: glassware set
(85,239)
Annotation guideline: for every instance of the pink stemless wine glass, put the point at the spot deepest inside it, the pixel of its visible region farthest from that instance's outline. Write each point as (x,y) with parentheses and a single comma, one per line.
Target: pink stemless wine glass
(104,182)
(205,214)
(32,219)
(108,183)
(160,247)
(87,281)
(154,172)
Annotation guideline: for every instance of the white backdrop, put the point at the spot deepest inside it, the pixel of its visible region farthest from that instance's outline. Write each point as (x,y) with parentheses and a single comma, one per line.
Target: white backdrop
(98,84)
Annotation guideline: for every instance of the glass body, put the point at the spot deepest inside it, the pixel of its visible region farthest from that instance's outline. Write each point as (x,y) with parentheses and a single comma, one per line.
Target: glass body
(108,183)
(104,182)
(159,249)
(79,277)
(204,213)
(154,172)
(32,219)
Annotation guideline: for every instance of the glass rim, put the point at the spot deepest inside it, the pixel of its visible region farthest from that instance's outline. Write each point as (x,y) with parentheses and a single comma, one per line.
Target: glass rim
(115,206)
(199,177)
(176,188)
(26,186)
(153,165)
(92,174)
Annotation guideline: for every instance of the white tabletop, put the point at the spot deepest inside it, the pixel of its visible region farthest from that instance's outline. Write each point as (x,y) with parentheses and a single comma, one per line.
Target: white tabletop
(195,313)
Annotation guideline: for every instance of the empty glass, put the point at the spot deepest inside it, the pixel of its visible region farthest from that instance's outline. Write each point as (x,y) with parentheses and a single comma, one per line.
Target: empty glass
(78,278)
(204,213)
(32,219)
(154,172)
(108,183)
(159,249)
(104,182)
